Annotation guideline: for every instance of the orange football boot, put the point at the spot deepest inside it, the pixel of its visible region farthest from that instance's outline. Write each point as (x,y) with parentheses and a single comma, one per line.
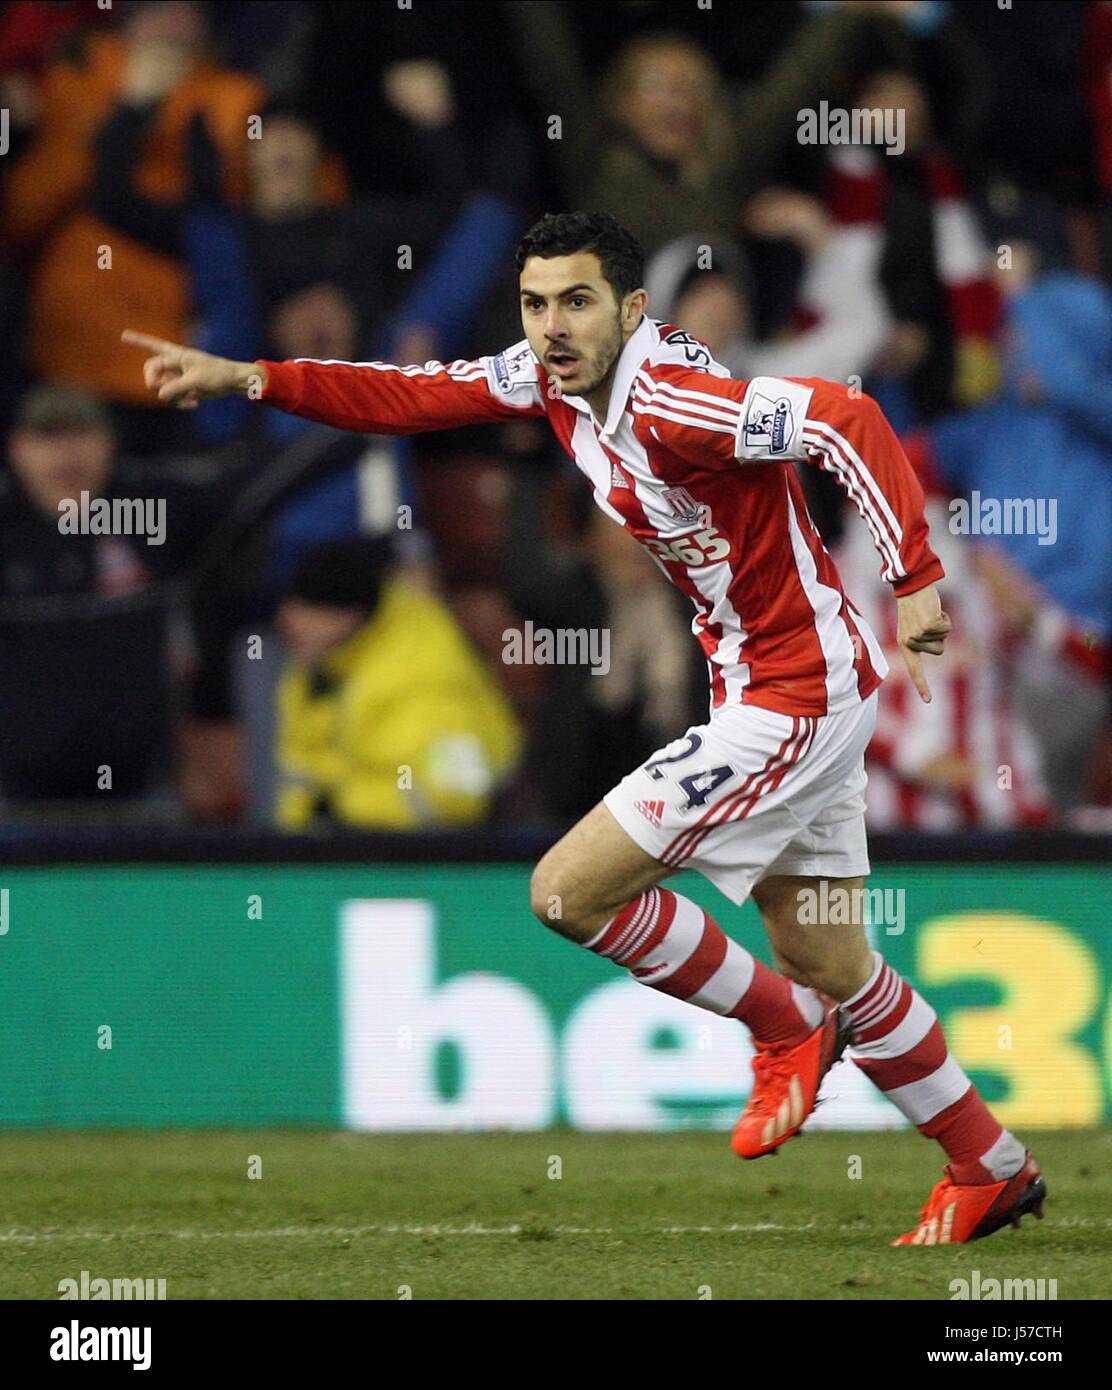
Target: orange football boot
(786,1081)
(956,1214)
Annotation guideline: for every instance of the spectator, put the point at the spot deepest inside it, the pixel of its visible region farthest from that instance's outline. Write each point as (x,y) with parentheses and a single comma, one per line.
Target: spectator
(1048,436)
(387,717)
(309,483)
(379,252)
(590,728)
(933,264)
(667,149)
(297,237)
(86,683)
(363,481)
(703,287)
(411,266)
(427,97)
(79,300)
(672,161)
(28,34)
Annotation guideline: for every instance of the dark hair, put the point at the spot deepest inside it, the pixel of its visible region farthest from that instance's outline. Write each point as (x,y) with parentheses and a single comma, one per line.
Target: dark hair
(55,408)
(565,233)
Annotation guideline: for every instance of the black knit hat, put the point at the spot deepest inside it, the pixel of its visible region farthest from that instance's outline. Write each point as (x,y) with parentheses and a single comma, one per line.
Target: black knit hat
(343,574)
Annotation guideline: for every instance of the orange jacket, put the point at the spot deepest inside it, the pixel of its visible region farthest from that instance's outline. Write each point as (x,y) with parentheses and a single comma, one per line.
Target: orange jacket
(77,309)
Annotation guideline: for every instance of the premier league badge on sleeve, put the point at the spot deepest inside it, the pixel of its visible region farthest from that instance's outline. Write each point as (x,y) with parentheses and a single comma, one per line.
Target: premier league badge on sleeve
(768,425)
(774,411)
(502,372)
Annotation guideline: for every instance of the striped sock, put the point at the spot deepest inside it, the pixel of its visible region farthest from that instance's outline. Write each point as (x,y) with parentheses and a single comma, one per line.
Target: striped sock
(900,1046)
(669,943)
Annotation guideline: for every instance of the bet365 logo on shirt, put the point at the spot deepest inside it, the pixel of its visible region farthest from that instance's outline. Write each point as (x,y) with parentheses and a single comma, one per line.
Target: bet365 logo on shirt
(705,547)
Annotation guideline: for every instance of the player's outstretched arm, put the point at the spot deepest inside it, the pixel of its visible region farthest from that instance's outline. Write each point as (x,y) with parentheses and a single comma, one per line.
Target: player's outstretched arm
(183,376)
(375,397)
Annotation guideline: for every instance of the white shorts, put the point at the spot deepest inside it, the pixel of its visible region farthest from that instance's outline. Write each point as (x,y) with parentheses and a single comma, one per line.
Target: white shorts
(752,793)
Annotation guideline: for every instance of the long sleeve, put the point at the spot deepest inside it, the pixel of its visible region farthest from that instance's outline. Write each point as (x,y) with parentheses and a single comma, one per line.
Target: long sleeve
(465,266)
(718,423)
(849,437)
(549,57)
(113,196)
(380,398)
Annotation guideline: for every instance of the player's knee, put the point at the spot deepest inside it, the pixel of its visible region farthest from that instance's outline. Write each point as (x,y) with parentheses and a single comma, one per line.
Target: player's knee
(560,900)
(546,894)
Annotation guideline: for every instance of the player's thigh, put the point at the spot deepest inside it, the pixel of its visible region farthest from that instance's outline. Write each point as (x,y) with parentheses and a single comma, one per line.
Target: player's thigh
(590,874)
(816,930)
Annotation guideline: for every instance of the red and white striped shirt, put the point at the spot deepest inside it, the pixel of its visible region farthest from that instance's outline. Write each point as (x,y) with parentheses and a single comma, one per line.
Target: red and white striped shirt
(972,716)
(697,466)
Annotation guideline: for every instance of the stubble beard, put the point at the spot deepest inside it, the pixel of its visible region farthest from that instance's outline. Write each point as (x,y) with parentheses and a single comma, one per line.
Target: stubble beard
(610,354)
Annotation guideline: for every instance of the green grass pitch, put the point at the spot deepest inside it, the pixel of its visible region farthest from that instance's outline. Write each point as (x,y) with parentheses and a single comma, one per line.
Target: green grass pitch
(671,1216)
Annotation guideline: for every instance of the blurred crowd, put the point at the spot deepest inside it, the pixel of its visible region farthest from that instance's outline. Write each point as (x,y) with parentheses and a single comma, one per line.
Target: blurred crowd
(255,619)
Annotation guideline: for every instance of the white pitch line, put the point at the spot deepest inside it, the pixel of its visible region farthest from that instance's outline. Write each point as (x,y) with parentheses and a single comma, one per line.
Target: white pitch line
(348,1232)
(472,1229)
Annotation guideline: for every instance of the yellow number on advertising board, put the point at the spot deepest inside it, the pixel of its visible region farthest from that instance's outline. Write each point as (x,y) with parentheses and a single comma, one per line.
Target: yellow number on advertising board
(1051,985)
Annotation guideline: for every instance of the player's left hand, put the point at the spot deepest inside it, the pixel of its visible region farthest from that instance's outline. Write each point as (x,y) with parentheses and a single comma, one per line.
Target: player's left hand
(921,626)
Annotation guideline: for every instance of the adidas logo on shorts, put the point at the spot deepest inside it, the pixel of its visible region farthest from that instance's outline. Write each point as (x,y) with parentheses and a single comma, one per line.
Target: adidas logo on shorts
(651,810)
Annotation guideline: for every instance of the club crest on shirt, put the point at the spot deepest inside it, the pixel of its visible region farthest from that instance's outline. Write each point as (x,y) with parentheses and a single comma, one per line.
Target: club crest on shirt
(768,424)
(683,504)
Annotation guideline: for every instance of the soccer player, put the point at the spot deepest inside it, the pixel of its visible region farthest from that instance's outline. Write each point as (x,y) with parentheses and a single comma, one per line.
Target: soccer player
(767,797)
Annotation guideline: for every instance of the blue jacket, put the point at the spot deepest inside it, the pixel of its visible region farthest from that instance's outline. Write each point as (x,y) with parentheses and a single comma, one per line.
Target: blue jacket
(1059,333)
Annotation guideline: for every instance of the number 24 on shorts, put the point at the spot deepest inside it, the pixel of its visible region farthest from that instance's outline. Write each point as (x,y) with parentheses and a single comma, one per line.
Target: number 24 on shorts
(698,785)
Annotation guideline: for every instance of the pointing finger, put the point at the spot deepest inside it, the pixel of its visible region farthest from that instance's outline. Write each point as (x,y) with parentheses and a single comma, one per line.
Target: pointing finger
(915,670)
(144,340)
